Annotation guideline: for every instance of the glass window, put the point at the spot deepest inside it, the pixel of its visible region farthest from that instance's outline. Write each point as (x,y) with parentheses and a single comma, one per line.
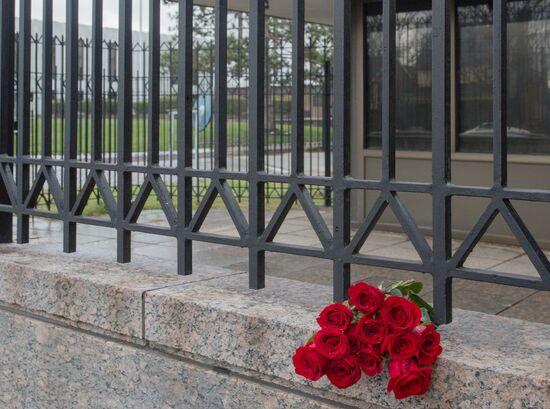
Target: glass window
(413,75)
(528,77)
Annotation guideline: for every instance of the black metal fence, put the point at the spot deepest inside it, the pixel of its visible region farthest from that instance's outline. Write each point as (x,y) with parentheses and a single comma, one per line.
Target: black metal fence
(317,99)
(19,192)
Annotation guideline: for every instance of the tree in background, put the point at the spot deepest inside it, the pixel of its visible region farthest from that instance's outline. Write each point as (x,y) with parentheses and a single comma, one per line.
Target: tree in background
(278,58)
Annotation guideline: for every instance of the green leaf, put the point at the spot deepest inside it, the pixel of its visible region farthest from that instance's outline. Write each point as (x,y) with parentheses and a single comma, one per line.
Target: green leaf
(396,291)
(397,284)
(426,318)
(406,287)
(416,287)
(411,286)
(310,340)
(421,303)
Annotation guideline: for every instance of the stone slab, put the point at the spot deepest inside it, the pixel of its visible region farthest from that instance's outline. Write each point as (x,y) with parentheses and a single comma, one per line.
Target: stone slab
(489,362)
(48,366)
(533,308)
(105,295)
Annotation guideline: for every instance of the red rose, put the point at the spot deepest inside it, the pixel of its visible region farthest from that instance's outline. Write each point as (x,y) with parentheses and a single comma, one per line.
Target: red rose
(370,361)
(430,347)
(400,314)
(408,378)
(355,343)
(401,345)
(309,363)
(344,372)
(332,343)
(371,331)
(335,316)
(366,298)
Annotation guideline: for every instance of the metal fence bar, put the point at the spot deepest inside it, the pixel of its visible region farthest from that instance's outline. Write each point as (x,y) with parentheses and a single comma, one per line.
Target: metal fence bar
(256,151)
(220,85)
(500,86)
(441,160)
(124,145)
(153,141)
(298,32)
(185,136)
(71,128)
(327,126)
(23,117)
(47,75)
(341,143)
(388,90)
(7,42)
(97,86)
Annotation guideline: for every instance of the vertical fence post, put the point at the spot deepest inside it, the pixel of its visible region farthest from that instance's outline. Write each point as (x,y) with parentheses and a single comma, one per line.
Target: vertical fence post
(500,97)
(185,135)
(97,68)
(256,142)
(7,41)
(71,127)
(220,84)
(341,141)
(298,94)
(23,117)
(47,74)
(124,148)
(154,83)
(327,96)
(388,90)
(441,159)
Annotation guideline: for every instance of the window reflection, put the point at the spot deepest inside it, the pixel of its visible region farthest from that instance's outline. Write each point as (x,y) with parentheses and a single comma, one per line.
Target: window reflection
(528,77)
(413,75)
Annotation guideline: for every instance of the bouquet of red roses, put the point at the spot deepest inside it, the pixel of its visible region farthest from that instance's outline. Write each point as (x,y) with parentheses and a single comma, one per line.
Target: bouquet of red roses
(378,326)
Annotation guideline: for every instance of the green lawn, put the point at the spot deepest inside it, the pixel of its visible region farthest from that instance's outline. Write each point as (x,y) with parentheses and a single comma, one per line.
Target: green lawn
(237,134)
(273,191)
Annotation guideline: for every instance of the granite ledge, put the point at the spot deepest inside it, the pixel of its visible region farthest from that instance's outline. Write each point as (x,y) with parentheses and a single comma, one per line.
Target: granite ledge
(102,295)
(489,361)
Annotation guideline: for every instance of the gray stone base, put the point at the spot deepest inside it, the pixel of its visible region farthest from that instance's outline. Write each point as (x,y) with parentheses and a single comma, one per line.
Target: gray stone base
(79,334)
(47,366)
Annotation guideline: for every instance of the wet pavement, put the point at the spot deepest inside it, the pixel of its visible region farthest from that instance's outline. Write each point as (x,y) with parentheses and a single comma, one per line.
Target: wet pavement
(513,302)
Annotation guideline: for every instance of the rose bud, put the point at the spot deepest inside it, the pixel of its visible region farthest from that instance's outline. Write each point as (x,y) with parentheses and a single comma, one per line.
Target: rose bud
(335,316)
(332,343)
(430,347)
(309,363)
(370,361)
(401,345)
(407,378)
(400,314)
(344,372)
(371,331)
(355,343)
(366,298)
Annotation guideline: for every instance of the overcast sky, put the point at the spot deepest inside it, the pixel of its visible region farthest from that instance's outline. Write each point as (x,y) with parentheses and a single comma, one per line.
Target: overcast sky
(110,13)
